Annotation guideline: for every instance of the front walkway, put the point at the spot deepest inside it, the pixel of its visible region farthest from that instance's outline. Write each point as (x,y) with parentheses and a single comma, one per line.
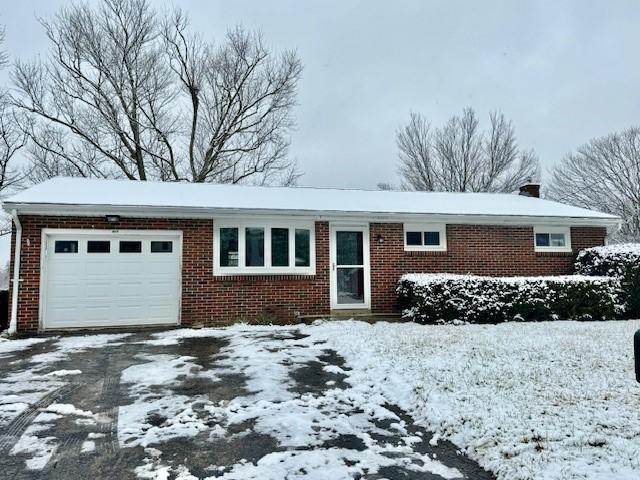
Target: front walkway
(238,403)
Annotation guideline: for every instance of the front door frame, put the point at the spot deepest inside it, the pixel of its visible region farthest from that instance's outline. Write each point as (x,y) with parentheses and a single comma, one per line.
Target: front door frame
(333,284)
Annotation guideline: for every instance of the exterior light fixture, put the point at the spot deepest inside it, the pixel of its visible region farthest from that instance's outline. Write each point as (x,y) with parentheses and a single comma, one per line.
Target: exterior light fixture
(113,218)
(380,238)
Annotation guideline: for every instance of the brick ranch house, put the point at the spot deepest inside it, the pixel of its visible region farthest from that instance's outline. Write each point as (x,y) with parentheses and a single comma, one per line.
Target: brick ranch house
(103,253)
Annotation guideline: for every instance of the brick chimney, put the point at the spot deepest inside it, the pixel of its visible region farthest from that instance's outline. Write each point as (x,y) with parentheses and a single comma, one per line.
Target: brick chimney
(530,190)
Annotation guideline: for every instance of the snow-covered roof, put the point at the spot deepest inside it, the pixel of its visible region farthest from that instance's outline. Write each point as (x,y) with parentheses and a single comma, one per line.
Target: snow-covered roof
(84,196)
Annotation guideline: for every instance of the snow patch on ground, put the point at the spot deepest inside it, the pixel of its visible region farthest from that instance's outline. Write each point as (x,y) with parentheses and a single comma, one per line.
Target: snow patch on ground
(552,400)
(67,345)
(68,409)
(34,378)
(173,416)
(64,373)
(163,370)
(267,357)
(88,446)
(9,345)
(39,448)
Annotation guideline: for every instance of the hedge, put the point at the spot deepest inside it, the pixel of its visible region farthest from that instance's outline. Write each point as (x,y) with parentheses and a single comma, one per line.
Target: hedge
(622,261)
(448,298)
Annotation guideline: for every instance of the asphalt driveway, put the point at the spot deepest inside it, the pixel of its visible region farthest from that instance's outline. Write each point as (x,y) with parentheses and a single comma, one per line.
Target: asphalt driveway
(236,403)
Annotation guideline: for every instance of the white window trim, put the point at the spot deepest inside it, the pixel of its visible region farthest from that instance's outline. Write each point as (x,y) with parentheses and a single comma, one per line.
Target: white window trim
(241,225)
(547,229)
(441,228)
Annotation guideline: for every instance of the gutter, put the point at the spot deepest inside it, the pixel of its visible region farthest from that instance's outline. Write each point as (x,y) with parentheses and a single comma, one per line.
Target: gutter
(13,323)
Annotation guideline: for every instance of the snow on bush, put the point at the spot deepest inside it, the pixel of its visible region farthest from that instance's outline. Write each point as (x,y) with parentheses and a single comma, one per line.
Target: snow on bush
(448,298)
(622,261)
(610,260)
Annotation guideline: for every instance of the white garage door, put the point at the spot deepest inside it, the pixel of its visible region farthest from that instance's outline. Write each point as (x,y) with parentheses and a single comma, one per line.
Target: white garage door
(106,278)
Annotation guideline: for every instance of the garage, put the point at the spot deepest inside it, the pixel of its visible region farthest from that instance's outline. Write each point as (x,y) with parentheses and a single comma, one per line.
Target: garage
(106,278)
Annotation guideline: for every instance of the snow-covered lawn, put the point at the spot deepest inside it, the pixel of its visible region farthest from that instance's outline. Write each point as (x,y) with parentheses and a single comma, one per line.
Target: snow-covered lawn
(549,400)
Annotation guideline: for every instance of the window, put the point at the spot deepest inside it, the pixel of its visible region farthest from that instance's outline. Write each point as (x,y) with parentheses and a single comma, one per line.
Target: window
(263,247)
(425,237)
(303,247)
(280,247)
(66,246)
(414,239)
(552,239)
(431,239)
(228,247)
(158,246)
(254,243)
(129,246)
(98,246)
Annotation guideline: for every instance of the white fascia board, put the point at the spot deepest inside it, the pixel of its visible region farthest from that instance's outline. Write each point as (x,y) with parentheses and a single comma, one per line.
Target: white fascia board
(207,213)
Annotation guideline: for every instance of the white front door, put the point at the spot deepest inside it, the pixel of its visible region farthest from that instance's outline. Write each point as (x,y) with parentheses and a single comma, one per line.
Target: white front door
(350,275)
(110,278)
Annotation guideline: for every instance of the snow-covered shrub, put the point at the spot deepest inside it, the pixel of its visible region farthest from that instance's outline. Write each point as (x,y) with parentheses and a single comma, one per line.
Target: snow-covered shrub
(448,298)
(622,261)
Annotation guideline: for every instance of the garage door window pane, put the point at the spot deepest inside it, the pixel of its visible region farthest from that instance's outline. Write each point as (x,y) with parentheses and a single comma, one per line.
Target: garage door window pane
(254,248)
(66,246)
(303,250)
(228,247)
(279,247)
(161,247)
(130,246)
(98,246)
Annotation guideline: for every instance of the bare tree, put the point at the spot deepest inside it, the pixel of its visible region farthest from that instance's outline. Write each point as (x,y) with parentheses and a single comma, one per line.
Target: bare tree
(4,58)
(603,174)
(129,93)
(460,157)
(12,139)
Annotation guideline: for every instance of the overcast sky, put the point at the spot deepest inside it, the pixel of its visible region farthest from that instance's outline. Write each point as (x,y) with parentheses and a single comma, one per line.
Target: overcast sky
(562,71)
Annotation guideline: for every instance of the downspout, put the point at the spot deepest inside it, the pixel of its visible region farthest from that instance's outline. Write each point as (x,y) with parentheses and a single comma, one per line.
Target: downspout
(13,323)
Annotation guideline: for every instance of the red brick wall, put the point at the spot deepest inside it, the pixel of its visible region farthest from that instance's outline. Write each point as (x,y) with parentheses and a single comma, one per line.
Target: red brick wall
(209,300)
(476,249)
(206,299)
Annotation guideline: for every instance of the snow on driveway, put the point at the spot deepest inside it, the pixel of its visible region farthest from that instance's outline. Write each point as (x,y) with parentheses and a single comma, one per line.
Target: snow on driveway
(335,400)
(549,400)
(332,431)
(264,403)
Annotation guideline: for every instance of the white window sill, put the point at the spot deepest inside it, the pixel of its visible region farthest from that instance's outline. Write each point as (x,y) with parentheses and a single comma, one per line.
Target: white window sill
(226,272)
(409,248)
(553,249)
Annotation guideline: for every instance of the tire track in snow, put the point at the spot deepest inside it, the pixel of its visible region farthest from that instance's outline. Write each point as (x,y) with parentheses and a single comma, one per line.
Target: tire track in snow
(12,433)
(109,396)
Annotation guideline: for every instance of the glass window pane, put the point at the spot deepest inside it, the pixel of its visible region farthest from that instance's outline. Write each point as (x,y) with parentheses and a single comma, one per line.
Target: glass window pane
(98,246)
(254,247)
(350,285)
(303,247)
(557,240)
(158,246)
(349,248)
(129,246)
(542,239)
(66,246)
(279,247)
(414,238)
(432,238)
(228,247)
